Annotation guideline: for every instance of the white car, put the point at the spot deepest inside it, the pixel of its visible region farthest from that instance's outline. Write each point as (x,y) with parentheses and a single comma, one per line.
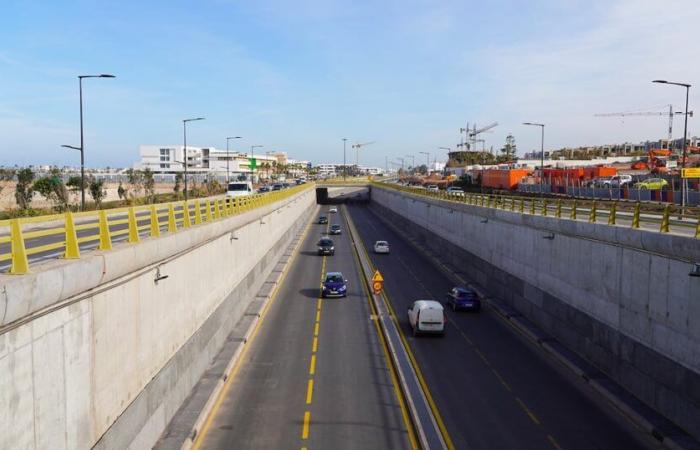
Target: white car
(455,191)
(427,316)
(381,247)
(333,210)
(433,188)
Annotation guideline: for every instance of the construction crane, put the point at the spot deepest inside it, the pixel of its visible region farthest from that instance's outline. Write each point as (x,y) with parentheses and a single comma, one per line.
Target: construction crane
(472,133)
(670,115)
(357,148)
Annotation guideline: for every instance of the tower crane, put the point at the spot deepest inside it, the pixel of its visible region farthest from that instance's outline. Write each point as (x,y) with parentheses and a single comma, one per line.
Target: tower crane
(670,115)
(357,148)
(472,133)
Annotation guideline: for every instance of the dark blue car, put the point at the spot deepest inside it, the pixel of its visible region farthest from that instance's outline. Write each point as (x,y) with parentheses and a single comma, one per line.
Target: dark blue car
(463,298)
(334,285)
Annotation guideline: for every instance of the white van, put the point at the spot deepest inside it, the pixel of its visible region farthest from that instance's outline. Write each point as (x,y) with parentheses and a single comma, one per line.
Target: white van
(427,316)
(239,189)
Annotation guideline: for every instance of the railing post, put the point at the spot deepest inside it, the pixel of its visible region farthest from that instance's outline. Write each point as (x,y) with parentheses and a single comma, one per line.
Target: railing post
(133,226)
(155,223)
(217,209)
(665,220)
(172,223)
(207,205)
(186,215)
(105,236)
(72,247)
(512,204)
(557,214)
(635,217)
(522,206)
(544,208)
(20,264)
(197,212)
(612,218)
(573,213)
(593,215)
(697,229)
(532,206)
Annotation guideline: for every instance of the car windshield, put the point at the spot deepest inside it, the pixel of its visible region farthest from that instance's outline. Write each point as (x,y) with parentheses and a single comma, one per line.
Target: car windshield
(382,244)
(335,227)
(325,242)
(237,187)
(334,278)
(464,294)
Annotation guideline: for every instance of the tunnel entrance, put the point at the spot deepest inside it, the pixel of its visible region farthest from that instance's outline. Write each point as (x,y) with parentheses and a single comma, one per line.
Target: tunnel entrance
(343,195)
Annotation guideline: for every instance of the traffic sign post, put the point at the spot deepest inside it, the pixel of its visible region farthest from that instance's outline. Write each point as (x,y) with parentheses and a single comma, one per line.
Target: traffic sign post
(377,282)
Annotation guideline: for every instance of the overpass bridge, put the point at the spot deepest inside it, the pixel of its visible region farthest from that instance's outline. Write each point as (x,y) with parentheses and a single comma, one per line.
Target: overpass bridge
(212,334)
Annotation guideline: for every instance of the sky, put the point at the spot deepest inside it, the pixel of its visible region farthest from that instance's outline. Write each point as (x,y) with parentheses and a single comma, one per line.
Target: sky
(298,76)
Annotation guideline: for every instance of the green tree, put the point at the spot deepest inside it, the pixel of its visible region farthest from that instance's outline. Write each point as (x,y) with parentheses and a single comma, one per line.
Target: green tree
(135,178)
(178,184)
(96,190)
(149,184)
(24,190)
(508,150)
(121,191)
(52,188)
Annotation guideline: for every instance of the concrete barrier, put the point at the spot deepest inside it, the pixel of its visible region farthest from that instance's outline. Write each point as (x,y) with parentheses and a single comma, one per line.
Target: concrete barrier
(620,298)
(102,351)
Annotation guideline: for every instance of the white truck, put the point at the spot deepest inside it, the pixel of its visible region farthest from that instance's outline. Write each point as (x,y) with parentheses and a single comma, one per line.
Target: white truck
(239,189)
(427,316)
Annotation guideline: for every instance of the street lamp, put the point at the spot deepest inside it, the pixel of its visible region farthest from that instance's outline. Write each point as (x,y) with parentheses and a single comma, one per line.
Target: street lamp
(184,138)
(413,161)
(685,134)
(344,163)
(427,161)
(541,125)
(250,163)
(228,180)
(82,140)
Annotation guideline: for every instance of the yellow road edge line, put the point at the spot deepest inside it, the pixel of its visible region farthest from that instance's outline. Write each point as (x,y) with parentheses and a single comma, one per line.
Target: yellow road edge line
(554,442)
(316,326)
(314,345)
(312,365)
(309,391)
(413,439)
(532,416)
(318,315)
(306,426)
(199,438)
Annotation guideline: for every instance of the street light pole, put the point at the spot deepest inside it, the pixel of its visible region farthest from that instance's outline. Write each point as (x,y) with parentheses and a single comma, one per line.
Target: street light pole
(250,163)
(427,162)
(345,174)
(82,140)
(541,125)
(228,179)
(184,139)
(685,134)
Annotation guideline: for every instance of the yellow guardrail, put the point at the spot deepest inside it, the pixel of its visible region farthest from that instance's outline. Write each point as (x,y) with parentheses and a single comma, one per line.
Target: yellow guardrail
(64,233)
(568,209)
(350,180)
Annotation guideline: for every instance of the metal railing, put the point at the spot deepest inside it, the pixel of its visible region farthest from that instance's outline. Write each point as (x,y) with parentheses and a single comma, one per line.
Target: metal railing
(62,234)
(629,214)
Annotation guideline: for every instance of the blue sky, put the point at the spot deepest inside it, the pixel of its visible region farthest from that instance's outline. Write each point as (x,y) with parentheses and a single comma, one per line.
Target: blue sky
(300,75)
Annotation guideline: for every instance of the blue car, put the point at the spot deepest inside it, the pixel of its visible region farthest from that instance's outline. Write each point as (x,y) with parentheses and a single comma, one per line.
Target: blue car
(334,285)
(463,298)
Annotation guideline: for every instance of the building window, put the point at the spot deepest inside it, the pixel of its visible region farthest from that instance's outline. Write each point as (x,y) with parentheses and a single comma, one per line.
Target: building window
(164,151)
(165,166)
(164,158)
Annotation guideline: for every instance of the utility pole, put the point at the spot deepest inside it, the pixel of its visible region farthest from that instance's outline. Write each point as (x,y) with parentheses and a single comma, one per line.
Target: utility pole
(345,174)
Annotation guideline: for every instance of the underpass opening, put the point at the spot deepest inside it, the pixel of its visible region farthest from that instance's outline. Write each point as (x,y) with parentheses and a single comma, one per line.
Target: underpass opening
(343,195)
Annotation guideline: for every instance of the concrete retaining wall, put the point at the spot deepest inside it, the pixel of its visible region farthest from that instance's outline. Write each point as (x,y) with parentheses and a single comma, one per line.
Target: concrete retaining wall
(109,364)
(621,298)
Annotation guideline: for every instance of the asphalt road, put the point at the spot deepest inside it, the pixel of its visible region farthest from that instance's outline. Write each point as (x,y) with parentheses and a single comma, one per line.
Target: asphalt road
(493,389)
(353,402)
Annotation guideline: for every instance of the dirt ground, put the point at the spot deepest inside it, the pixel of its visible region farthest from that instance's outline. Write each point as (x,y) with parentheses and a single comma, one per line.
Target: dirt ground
(7,196)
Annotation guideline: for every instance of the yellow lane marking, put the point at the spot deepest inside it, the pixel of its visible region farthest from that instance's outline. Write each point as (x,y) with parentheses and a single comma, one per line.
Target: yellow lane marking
(318,316)
(554,442)
(500,378)
(385,348)
(314,345)
(222,394)
(312,365)
(316,329)
(532,416)
(305,427)
(318,304)
(309,391)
